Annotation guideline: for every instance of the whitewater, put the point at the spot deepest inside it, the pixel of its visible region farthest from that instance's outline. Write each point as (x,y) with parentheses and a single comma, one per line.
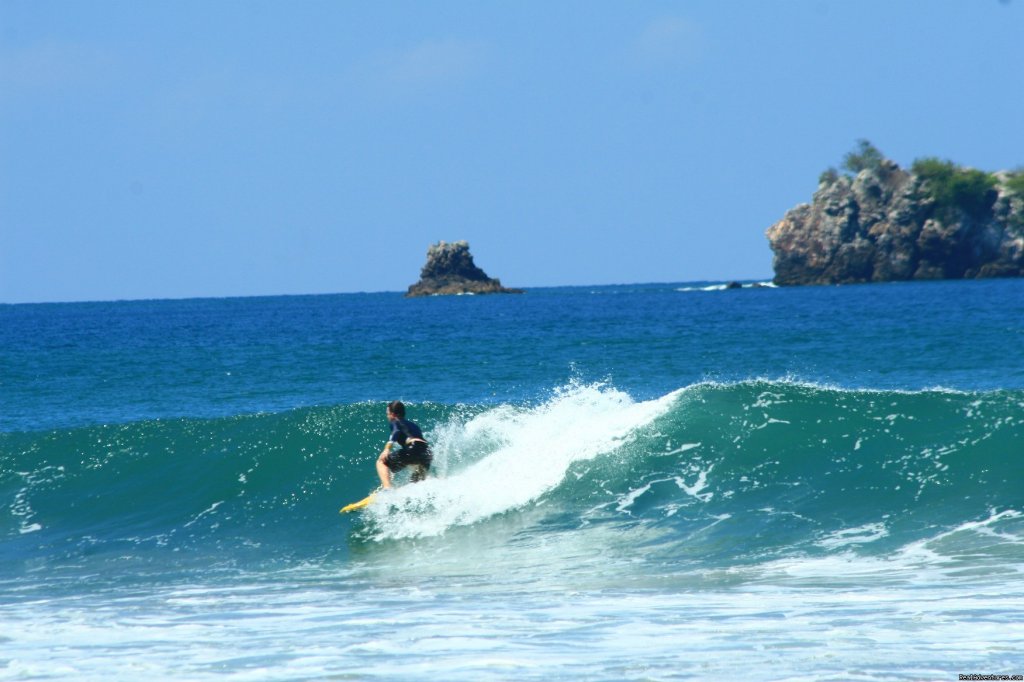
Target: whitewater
(652,482)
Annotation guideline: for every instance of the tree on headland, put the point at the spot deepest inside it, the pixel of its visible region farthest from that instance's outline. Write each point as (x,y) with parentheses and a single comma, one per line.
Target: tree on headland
(865,157)
(828,176)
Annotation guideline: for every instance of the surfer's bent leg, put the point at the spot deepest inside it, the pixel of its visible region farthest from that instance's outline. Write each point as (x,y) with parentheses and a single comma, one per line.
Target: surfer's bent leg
(383,470)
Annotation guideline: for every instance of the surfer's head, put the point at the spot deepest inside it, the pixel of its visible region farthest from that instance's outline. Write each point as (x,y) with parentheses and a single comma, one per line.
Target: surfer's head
(396,409)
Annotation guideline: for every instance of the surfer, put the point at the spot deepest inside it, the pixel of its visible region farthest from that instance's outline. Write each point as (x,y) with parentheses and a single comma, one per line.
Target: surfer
(415,451)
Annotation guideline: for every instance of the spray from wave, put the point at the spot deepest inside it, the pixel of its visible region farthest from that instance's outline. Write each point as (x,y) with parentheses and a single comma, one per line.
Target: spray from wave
(509,457)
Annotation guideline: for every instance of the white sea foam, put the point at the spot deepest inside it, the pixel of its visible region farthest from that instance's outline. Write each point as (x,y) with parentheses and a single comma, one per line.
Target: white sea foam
(685,447)
(212,508)
(723,286)
(837,620)
(699,485)
(20,507)
(629,498)
(930,561)
(569,605)
(854,536)
(709,287)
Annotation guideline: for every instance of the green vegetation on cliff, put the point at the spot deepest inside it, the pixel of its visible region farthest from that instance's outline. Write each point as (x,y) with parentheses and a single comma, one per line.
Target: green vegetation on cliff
(865,157)
(1016,182)
(956,188)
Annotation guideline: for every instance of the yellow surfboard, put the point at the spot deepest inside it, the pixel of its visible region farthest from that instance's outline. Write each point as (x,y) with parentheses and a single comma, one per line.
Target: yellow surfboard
(355,506)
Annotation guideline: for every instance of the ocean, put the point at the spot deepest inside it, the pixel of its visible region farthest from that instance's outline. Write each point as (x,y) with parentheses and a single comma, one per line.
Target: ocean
(636,482)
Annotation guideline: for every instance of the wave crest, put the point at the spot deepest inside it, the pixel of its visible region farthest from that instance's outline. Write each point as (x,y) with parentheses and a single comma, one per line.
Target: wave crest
(715,472)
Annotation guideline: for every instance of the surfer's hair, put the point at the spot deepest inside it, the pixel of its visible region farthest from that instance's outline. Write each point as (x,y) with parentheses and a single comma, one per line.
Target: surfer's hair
(396,408)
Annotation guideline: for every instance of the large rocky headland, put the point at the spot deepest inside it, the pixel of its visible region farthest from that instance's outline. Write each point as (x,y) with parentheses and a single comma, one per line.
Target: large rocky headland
(879,222)
(450,270)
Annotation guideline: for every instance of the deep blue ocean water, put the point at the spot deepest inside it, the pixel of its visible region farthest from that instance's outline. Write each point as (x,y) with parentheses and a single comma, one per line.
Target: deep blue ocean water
(636,482)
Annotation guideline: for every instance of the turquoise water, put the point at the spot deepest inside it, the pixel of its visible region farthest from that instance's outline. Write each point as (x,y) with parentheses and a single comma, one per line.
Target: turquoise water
(644,482)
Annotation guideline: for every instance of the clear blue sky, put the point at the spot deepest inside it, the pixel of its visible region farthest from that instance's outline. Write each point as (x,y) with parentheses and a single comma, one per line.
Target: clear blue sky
(217,148)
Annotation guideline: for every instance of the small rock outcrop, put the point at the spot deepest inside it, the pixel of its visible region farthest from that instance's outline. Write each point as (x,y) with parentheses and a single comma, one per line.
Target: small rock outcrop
(450,270)
(937,221)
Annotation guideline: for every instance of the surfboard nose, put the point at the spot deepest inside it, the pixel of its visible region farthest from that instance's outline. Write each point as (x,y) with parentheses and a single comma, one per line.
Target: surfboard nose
(355,506)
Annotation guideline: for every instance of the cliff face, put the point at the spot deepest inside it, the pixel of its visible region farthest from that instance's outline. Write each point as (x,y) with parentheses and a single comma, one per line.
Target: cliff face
(450,270)
(885,224)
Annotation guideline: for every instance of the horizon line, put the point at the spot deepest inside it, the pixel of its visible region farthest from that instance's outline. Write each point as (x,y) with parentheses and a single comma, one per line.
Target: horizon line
(203,297)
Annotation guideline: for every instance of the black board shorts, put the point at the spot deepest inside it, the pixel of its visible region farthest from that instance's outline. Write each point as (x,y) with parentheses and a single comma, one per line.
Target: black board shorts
(416,453)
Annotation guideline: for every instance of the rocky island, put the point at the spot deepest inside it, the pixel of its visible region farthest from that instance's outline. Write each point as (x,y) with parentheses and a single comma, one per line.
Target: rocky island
(880,223)
(450,270)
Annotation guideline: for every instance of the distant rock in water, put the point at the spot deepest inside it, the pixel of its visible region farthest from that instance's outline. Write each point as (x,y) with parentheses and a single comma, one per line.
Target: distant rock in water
(450,270)
(937,221)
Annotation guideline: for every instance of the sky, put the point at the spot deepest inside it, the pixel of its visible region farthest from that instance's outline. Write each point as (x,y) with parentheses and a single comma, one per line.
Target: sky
(175,149)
